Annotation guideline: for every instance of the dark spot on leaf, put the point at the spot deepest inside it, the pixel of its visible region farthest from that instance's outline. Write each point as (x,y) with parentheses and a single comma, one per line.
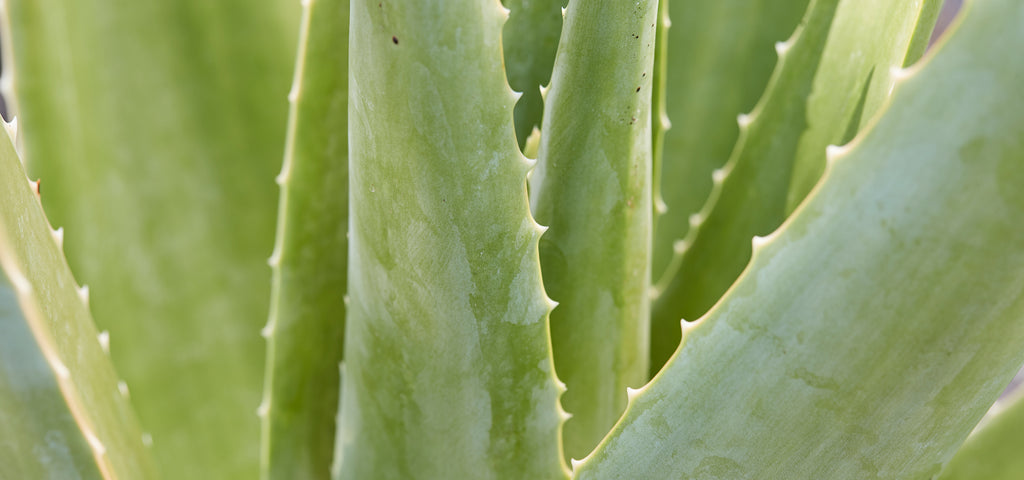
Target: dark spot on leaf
(637,89)
(394,40)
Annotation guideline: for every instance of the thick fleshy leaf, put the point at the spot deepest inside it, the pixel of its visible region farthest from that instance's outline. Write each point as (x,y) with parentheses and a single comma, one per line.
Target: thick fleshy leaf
(157,128)
(719,56)
(831,78)
(63,412)
(305,333)
(447,368)
(872,331)
(993,451)
(530,39)
(592,189)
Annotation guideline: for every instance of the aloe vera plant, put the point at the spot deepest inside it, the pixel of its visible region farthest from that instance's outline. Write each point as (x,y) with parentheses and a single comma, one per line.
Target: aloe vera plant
(511,243)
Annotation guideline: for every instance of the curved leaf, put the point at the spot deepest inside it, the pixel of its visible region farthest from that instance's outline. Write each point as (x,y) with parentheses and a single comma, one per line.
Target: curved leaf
(830,79)
(157,128)
(872,331)
(63,412)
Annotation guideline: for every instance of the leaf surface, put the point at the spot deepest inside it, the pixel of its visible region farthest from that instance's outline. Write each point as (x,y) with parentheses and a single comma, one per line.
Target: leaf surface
(307,324)
(592,189)
(830,79)
(992,452)
(447,371)
(63,412)
(872,331)
(530,38)
(718,57)
(157,128)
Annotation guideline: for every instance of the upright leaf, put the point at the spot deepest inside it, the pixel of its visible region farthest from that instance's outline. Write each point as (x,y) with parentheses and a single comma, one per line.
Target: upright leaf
(830,79)
(718,59)
(63,412)
(530,38)
(447,369)
(872,331)
(592,188)
(305,333)
(157,128)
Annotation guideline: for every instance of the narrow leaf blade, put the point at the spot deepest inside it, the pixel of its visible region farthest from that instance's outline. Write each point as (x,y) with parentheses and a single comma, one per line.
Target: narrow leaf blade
(157,128)
(305,333)
(592,189)
(63,412)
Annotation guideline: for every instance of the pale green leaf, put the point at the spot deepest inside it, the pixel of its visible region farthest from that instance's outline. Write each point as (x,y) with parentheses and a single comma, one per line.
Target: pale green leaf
(157,127)
(993,451)
(718,56)
(530,38)
(306,328)
(447,368)
(831,77)
(63,413)
(872,331)
(592,189)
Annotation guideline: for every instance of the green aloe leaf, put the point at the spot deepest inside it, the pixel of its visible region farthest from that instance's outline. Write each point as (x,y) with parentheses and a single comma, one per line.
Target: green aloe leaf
(831,78)
(447,368)
(306,328)
(157,127)
(718,57)
(63,412)
(530,39)
(992,452)
(592,188)
(872,331)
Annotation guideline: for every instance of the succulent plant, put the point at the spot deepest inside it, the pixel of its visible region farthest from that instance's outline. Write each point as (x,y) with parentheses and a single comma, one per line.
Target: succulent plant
(495,258)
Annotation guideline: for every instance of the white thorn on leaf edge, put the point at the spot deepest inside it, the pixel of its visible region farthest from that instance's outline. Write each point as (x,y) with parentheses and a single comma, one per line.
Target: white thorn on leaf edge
(563,415)
(666,124)
(123,389)
(58,237)
(551,302)
(263,409)
(60,369)
(20,282)
(782,47)
(345,298)
(12,128)
(147,439)
(832,152)
(743,120)
(695,220)
(35,185)
(83,294)
(275,258)
(680,246)
(632,393)
(104,339)
(575,463)
(306,3)
(95,443)
(268,330)
(293,93)
(718,175)
(758,241)
(899,73)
